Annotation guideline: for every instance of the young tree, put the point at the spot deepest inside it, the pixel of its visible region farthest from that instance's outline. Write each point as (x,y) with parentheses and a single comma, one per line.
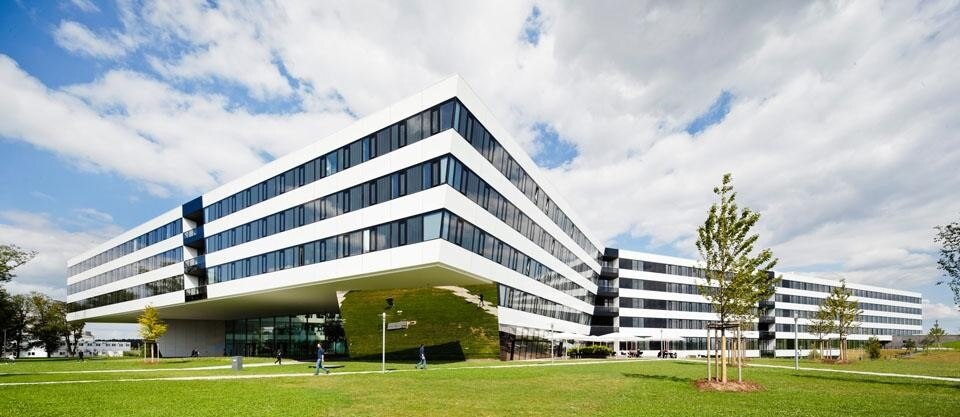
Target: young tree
(910,345)
(11,257)
(936,333)
(949,238)
(736,279)
(844,313)
(873,347)
(151,327)
(48,322)
(821,325)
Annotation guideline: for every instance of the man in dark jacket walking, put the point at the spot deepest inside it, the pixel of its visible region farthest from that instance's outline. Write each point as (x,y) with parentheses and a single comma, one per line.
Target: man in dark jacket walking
(279,360)
(320,353)
(423,359)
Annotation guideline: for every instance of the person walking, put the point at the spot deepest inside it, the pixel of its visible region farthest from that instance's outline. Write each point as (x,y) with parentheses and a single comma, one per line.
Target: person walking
(320,353)
(481,301)
(423,359)
(279,360)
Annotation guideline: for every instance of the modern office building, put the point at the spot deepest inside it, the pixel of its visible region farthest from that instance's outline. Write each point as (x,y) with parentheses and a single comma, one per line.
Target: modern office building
(430,191)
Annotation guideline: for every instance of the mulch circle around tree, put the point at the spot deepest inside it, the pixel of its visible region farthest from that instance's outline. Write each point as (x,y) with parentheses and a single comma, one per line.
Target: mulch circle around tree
(730,386)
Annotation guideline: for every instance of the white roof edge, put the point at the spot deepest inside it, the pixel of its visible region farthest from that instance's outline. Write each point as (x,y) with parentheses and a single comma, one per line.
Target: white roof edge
(503,136)
(366,125)
(800,276)
(630,254)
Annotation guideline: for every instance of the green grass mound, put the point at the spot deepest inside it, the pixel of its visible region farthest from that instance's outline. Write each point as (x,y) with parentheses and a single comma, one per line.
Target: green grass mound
(450,327)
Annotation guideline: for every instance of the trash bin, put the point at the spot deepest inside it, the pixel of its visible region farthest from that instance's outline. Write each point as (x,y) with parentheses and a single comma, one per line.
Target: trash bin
(237,363)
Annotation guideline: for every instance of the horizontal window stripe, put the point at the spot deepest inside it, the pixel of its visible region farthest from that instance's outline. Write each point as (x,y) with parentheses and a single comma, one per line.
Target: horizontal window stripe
(150,289)
(406,132)
(147,239)
(157,261)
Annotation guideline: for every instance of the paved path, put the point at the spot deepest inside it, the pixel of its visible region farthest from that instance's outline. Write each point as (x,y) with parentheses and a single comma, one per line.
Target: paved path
(471,298)
(844,371)
(311,375)
(198,368)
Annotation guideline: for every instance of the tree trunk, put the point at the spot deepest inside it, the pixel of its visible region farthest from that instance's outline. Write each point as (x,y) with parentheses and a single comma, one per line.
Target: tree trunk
(739,356)
(723,355)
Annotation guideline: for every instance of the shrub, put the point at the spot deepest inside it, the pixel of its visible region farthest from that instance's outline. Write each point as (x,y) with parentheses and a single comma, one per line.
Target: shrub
(910,344)
(595,351)
(873,348)
(814,354)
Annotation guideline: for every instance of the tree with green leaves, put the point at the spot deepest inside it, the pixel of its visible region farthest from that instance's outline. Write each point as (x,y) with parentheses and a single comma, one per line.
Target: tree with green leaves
(151,328)
(948,237)
(72,334)
(48,322)
(873,347)
(736,278)
(844,312)
(936,333)
(19,326)
(12,257)
(821,325)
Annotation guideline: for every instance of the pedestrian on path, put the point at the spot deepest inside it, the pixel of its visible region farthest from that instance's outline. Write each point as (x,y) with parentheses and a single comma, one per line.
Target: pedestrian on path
(481,301)
(279,360)
(423,359)
(320,353)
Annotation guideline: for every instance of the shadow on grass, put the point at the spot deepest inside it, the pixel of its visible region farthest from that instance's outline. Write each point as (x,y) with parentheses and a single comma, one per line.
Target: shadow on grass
(870,379)
(670,378)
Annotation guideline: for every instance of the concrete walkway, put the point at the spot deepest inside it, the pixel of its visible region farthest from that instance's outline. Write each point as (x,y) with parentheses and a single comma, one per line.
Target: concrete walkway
(471,298)
(199,368)
(843,371)
(311,375)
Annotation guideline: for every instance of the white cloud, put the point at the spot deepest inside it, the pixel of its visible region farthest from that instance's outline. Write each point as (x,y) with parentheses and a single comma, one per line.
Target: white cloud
(841,131)
(146,130)
(76,38)
(55,245)
(85,5)
(947,315)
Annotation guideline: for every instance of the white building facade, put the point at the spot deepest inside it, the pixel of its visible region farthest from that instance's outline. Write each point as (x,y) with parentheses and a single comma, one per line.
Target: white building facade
(430,191)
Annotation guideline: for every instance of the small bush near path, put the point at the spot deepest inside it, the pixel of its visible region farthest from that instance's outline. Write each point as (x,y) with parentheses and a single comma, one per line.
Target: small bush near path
(595,351)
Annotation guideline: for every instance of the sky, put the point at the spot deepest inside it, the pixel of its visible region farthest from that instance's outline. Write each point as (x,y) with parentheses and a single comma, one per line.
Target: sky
(838,120)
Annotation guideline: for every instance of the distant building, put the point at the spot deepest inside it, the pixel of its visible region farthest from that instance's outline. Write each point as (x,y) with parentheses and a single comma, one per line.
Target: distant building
(91,346)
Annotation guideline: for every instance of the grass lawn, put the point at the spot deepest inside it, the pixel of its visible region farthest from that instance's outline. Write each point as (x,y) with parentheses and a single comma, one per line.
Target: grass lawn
(933,363)
(614,388)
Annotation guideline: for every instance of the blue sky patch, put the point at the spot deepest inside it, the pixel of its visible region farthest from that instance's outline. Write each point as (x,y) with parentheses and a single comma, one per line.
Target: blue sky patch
(718,110)
(533,27)
(553,151)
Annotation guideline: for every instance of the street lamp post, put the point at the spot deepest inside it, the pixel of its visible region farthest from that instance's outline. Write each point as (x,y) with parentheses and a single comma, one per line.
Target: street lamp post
(383,345)
(662,349)
(551,342)
(796,346)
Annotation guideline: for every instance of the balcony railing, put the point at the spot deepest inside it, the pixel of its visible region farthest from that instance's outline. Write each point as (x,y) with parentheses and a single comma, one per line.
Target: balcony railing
(609,272)
(609,292)
(602,330)
(195,293)
(194,238)
(195,266)
(606,311)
